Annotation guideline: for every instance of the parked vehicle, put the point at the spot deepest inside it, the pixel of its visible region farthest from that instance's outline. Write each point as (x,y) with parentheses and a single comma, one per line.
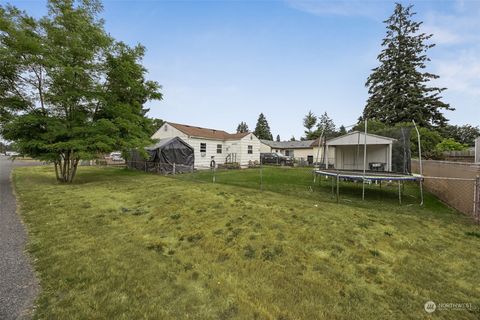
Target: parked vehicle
(116,156)
(275,158)
(11,153)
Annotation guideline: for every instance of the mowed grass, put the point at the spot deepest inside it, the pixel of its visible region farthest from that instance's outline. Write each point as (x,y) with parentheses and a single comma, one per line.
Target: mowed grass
(120,244)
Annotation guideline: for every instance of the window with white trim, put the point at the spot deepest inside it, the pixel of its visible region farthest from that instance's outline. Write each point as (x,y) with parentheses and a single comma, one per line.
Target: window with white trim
(250,149)
(219,148)
(203,147)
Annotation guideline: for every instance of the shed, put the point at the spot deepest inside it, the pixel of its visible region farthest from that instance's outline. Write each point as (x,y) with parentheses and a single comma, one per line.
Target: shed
(349,150)
(169,155)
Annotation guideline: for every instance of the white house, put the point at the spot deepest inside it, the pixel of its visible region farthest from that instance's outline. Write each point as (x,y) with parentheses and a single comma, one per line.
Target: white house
(212,144)
(349,151)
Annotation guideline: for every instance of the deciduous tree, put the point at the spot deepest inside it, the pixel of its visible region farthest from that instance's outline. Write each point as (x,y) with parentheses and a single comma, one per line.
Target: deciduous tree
(68,90)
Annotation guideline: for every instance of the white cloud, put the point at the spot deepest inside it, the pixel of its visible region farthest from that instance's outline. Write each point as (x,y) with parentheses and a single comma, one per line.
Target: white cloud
(462,73)
(457,35)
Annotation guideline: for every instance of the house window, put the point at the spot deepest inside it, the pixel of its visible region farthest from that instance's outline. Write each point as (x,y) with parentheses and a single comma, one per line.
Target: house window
(165,128)
(203,147)
(250,149)
(219,148)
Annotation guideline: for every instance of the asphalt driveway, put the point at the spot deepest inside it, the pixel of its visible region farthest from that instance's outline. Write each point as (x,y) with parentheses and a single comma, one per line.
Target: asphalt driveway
(18,285)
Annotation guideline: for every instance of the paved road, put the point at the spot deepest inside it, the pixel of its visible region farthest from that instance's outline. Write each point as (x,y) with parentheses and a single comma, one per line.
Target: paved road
(18,285)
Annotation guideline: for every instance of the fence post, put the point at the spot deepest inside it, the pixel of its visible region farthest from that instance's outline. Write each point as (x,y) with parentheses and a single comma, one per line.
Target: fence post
(145,166)
(261,178)
(476,199)
(174,168)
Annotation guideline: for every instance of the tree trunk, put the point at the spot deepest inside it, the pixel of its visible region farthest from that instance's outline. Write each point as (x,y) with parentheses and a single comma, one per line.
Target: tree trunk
(66,167)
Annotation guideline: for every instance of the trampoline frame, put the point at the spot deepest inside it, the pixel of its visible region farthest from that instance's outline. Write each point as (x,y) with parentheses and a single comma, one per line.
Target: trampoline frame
(369,176)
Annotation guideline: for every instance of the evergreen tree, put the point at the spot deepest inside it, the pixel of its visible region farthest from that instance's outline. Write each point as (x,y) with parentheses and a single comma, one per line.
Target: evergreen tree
(278,138)
(398,87)
(242,127)
(262,129)
(293,138)
(342,130)
(68,91)
(309,122)
(325,122)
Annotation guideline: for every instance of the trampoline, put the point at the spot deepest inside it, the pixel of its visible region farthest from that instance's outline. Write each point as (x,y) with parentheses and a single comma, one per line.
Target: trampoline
(357,175)
(369,175)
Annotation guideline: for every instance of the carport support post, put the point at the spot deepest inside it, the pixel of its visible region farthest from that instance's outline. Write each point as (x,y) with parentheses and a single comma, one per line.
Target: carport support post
(331,178)
(364,160)
(173,171)
(399,192)
(338,188)
(476,200)
(419,162)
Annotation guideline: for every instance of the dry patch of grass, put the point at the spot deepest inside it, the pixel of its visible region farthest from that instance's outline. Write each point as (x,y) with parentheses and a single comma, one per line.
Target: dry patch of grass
(127,245)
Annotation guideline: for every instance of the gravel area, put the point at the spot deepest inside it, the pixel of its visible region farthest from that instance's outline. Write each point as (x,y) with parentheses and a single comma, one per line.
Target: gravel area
(18,285)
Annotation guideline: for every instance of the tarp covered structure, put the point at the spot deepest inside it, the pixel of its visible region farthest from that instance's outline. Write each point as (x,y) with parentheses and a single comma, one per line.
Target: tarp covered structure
(170,155)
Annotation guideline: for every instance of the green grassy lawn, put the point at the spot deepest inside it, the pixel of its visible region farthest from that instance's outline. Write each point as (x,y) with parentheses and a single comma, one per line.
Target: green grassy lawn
(119,244)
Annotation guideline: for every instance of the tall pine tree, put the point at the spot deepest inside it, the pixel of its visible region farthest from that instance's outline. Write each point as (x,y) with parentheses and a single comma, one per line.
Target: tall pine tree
(309,121)
(262,129)
(398,87)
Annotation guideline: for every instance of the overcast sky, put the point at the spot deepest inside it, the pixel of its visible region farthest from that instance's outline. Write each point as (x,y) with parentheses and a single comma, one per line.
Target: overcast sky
(222,62)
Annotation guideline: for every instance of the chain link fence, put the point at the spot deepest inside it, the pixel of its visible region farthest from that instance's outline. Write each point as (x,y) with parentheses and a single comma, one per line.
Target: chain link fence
(455,183)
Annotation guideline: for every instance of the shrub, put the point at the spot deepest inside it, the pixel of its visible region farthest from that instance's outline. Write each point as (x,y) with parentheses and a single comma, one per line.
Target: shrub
(449,144)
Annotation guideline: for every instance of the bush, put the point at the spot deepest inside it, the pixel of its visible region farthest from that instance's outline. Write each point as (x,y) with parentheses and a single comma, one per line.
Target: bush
(450,144)
(429,139)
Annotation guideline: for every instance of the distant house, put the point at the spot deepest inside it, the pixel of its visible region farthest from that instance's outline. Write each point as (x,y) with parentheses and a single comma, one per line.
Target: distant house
(306,150)
(211,144)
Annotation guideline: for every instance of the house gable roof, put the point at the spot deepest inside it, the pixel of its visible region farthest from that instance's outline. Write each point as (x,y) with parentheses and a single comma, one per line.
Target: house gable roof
(207,133)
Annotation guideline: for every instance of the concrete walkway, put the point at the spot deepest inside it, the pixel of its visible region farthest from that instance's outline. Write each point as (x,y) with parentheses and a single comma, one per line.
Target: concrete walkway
(18,285)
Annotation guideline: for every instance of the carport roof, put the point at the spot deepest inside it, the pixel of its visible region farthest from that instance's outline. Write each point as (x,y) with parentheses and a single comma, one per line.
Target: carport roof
(357,137)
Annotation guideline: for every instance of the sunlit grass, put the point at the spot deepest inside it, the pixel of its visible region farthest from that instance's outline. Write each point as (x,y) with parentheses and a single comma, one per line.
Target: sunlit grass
(120,244)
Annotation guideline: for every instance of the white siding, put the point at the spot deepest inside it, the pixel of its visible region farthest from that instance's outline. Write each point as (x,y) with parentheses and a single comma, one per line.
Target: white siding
(331,154)
(265,148)
(167,131)
(202,160)
(245,157)
(351,157)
